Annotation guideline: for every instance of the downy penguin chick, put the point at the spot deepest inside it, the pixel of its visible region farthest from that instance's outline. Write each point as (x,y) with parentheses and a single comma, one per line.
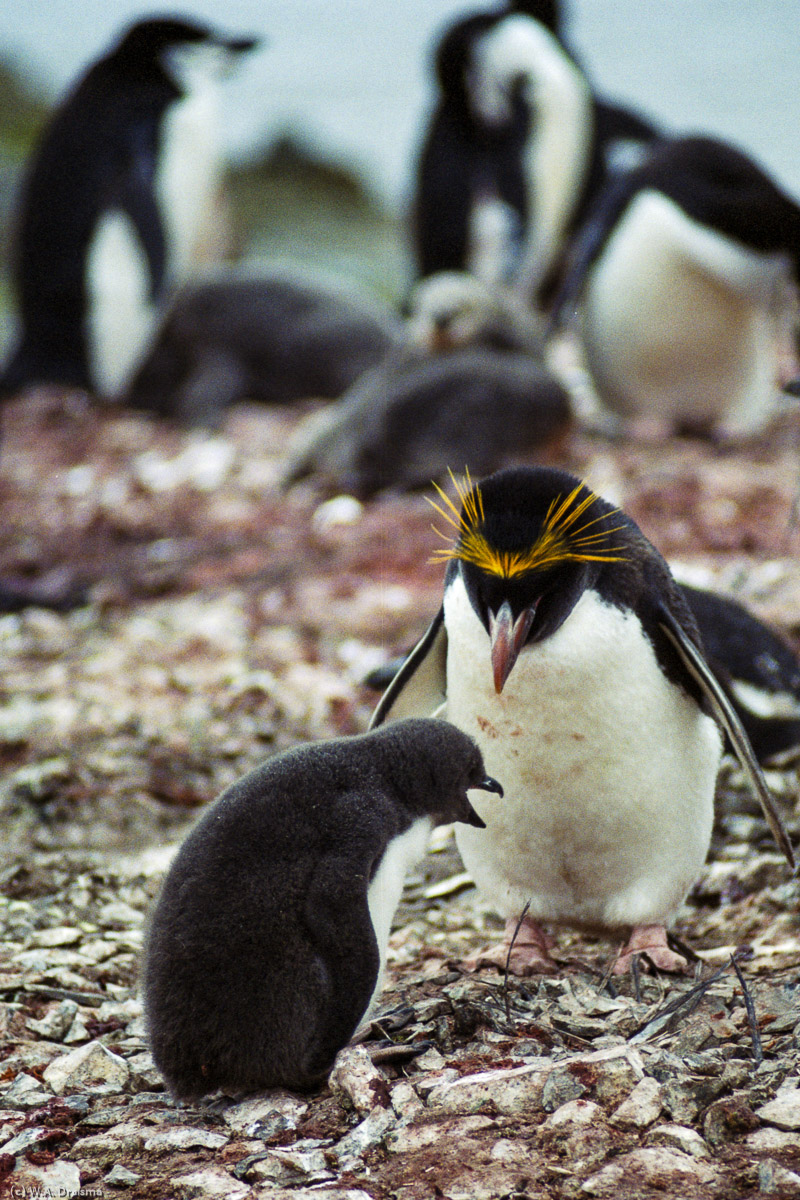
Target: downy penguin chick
(267,333)
(120,193)
(565,648)
(684,279)
(268,940)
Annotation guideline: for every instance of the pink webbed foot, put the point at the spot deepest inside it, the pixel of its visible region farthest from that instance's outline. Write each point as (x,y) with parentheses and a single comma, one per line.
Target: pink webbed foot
(530,952)
(650,940)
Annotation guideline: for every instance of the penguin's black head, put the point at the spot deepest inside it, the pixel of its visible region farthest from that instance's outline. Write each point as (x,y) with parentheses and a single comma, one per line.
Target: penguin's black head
(529,541)
(433,765)
(454,57)
(157,42)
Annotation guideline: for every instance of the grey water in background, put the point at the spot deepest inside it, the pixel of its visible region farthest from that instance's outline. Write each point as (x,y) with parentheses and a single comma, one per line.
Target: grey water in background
(351,77)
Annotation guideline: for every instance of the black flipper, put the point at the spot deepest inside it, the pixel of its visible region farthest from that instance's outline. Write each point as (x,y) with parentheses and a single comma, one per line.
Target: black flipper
(419,689)
(727,717)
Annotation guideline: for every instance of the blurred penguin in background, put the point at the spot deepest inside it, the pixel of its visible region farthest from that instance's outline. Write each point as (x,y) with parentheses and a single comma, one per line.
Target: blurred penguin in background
(515,149)
(685,280)
(118,201)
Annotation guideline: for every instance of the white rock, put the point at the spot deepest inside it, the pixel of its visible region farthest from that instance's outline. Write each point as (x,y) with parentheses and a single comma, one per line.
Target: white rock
(783,1111)
(121,1177)
(355,1076)
(369,1133)
(680,1137)
(654,1166)
(775,1180)
(408,1138)
(509,1091)
(642,1107)
(89,1068)
(59,1178)
(59,935)
(339,510)
(184,1137)
(277,1108)
(573,1117)
(24,1139)
(405,1101)
(207,1183)
(773,1139)
(56,1023)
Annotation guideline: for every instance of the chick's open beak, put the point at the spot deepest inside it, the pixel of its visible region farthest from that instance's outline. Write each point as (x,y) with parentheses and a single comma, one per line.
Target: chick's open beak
(507,639)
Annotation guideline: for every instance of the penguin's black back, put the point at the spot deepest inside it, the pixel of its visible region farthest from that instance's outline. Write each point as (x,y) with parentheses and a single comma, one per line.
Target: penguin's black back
(261,956)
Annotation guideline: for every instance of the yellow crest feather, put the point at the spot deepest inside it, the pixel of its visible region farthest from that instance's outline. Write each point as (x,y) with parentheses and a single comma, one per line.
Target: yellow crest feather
(560,539)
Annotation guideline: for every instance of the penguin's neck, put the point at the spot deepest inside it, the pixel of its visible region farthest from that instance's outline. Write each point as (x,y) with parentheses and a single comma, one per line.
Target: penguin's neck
(386,887)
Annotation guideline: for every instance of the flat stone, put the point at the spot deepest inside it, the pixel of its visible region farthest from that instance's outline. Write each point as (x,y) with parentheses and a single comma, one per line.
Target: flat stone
(642,1106)
(408,1138)
(369,1133)
(654,1166)
(105,1147)
(405,1101)
(508,1092)
(771,1139)
(56,1023)
(24,1139)
(145,1075)
(355,1076)
(208,1182)
(680,1137)
(783,1111)
(184,1137)
(25,1093)
(60,935)
(59,1178)
(560,1087)
(121,1177)
(578,1131)
(775,1180)
(261,1116)
(90,1068)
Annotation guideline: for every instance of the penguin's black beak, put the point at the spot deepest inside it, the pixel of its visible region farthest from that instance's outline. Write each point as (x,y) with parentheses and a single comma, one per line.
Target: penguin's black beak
(486,785)
(508,637)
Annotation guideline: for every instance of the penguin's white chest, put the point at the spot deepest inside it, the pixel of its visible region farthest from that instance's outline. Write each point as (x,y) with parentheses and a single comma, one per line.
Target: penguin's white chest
(680,322)
(188,178)
(608,770)
(386,886)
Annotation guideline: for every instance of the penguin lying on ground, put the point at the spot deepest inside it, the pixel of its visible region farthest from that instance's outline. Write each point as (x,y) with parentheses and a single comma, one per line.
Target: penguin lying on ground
(268,941)
(120,192)
(515,150)
(565,648)
(275,334)
(479,395)
(758,669)
(684,278)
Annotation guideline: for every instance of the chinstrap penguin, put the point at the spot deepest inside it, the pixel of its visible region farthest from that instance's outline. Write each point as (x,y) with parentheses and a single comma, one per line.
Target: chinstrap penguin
(684,279)
(270,334)
(565,648)
(116,201)
(268,941)
(515,149)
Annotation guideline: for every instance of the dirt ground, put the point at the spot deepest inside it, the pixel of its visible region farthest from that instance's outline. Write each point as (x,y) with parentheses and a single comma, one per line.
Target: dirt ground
(224,620)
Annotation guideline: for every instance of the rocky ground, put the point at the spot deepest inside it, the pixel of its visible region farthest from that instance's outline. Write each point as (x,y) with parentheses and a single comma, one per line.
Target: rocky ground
(224,621)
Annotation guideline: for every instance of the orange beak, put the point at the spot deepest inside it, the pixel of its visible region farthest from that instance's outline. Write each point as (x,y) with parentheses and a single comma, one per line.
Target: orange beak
(507,638)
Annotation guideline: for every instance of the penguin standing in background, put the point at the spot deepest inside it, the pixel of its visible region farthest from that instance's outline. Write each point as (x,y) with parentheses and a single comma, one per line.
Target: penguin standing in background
(117,200)
(268,941)
(685,281)
(565,649)
(515,150)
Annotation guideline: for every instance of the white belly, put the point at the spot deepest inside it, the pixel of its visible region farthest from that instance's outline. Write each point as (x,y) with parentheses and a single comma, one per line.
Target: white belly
(386,888)
(121,316)
(608,769)
(188,181)
(680,323)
